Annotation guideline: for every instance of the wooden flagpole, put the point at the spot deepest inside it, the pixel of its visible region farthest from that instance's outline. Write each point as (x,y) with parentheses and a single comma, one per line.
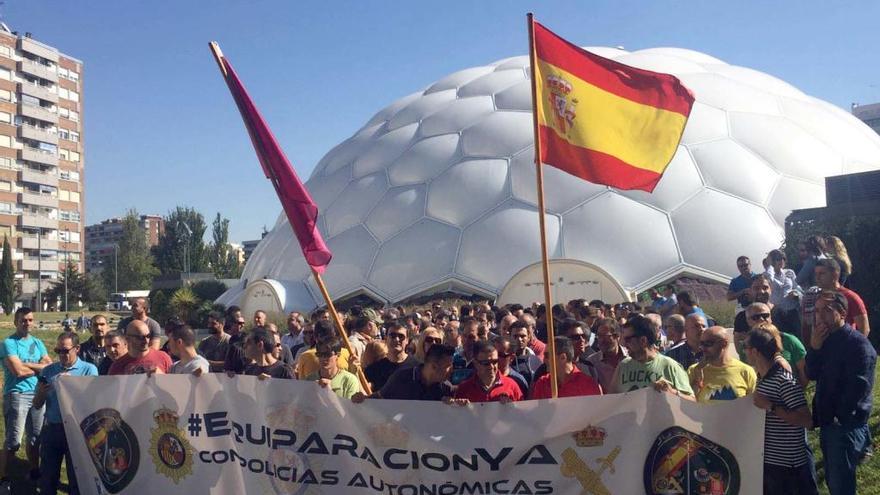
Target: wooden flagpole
(218,57)
(539,172)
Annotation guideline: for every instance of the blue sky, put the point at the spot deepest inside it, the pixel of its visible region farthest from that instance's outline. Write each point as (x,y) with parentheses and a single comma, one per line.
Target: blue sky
(162,130)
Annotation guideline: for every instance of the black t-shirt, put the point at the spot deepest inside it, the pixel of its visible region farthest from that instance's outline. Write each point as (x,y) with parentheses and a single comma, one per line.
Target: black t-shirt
(406,384)
(379,372)
(275,370)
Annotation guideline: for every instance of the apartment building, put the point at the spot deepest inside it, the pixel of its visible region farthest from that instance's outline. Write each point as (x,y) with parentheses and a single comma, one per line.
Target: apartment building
(41,159)
(869,114)
(102,239)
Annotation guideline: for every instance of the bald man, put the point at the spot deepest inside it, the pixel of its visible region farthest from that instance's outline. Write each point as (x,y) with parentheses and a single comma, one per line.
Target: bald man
(719,375)
(141,358)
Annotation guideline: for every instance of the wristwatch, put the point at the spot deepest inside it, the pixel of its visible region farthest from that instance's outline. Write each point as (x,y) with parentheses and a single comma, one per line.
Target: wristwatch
(773,408)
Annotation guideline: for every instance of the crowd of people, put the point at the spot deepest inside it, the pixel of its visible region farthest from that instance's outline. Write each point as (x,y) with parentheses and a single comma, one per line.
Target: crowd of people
(790,329)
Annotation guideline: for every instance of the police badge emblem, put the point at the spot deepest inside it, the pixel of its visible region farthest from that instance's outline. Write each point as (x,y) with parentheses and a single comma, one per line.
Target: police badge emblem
(171,451)
(113,448)
(682,462)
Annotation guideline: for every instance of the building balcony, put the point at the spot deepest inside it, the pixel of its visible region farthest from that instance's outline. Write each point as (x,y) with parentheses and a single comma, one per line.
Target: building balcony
(37,177)
(32,265)
(38,156)
(38,91)
(31,220)
(36,112)
(38,134)
(29,198)
(39,49)
(31,242)
(39,70)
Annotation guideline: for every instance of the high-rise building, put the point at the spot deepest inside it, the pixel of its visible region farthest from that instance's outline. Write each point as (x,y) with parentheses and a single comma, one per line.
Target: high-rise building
(869,114)
(41,159)
(102,238)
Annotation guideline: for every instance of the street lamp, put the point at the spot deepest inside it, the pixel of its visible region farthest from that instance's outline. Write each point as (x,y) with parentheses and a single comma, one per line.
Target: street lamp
(39,269)
(186,248)
(66,266)
(116,268)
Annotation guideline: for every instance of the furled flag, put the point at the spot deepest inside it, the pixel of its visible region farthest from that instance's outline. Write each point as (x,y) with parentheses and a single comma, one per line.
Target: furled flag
(302,212)
(604,121)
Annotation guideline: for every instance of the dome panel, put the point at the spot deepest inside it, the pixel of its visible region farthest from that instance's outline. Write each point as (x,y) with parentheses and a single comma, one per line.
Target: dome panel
(459,79)
(325,189)
(501,134)
(467,190)
(684,53)
(400,207)
(421,254)
(491,83)
(425,160)
(605,51)
(793,194)
(705,124)
(458,115)
(421,108)
(714,228)
(590,237)
(562,191)
(389,111)
(354,203)
(518,62)
(384,150)
(726,165)
(516,97)
(802,156)
(758,80)
(680,181)
(656,62)
(353,252)
(345,153)
(481,246)
(726,94)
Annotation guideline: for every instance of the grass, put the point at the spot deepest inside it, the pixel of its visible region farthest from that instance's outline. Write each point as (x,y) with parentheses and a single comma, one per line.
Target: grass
(868,474)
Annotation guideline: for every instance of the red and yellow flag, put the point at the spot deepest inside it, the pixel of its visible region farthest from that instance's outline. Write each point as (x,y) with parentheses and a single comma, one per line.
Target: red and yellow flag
(604,121)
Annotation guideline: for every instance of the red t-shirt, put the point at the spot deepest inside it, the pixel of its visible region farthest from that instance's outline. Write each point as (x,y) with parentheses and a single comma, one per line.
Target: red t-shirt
(538,348)
(854,304)
(576,384)
(472,390)
(128,365)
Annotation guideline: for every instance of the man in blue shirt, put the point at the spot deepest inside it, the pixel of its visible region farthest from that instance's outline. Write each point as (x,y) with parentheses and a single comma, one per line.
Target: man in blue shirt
(24,356)
(841,361)
(53,443)
(740,285)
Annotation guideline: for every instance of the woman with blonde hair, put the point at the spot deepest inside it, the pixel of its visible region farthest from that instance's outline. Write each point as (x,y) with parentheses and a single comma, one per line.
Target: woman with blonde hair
(837,250)
(816,249)
(429,336)
(374,351)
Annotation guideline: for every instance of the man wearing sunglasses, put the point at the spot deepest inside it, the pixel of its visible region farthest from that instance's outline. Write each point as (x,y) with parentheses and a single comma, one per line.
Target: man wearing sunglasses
(504,345)
(258,349)
(689,352)
(571,382)
(141,358)
(487,384)
(719,375)
(645,366)
(53,443)
(235,360)
(396,359)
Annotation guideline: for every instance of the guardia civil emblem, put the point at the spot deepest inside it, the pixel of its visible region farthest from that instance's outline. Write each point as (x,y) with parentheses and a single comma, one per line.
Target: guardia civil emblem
(171,451)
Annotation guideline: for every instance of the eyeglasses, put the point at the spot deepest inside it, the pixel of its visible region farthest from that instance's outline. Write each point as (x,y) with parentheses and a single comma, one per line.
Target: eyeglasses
(760,316)
(397,336)
(487,362)
(433,340)
(708,343)
(137,336)
(325,355)
(63,352)
(278,344)
(577,336)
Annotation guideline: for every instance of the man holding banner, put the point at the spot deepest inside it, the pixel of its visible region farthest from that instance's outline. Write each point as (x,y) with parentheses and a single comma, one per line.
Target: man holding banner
(645,367)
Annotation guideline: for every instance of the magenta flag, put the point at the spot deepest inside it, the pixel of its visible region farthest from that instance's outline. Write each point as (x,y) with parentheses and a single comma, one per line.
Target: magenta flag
(302,212)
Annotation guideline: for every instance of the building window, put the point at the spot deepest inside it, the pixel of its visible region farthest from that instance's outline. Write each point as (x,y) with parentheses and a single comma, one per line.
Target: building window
(8,163)
(74,116)
(5,117)
(5,141)
(5,185)
(68,174)
(64,195)
(5,74)
(74,136)
(5,51)
(63,154)
(5,208)
(63,133)
(73,95)
(62,92)
(74,156)
(74,196)
(5,95)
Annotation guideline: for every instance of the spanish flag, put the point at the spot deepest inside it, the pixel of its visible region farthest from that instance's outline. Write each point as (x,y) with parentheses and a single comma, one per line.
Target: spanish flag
(601,120)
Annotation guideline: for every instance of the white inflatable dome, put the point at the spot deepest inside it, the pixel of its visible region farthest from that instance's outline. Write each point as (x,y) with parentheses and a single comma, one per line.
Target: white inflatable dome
(437,191)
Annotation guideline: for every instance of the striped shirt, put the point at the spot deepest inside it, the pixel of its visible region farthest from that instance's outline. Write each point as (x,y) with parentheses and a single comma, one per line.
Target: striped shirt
(784,443)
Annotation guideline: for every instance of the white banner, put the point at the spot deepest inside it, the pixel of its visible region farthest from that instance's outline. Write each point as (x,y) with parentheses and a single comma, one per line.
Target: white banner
(170,434)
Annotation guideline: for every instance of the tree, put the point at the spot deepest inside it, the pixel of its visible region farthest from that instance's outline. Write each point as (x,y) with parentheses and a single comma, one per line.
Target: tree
(184,303)
(7,278)
(80,288)
(135,263)
(224,260)
(183,238)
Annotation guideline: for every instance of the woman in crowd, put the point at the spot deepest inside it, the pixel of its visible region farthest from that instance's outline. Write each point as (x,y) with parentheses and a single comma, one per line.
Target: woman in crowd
(837,250)
(427,338)
(816,249)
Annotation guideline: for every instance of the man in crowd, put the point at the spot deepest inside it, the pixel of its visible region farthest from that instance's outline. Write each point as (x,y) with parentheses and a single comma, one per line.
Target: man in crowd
(571,382)
(293,339)
(258,347)
(688,304)
(53,442)
(24,357)
(181,343)
(739,286)
(841,361)
(116,347)
(828,278)
(308,362)
(260,318)
(427,381)
(671,303)
(215,346)
(504,345)
(719,375)
(579,335)
(689,353)
(504,327)
(92,350)
(281,351)
(645,367)
(397,357)
(657,300)
(788,463)
(139,312)
(462,361)
(361,334)
(330,375)
(525,362)
(793,351)
(487,384)
(235,360)
(535,345)
(675,334)
(610,354)
(141,358)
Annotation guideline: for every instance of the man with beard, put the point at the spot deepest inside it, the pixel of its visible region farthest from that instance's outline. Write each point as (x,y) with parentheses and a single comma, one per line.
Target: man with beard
(214,347)
(610,354)
(645,367)
(487,384)
(689,352)
(718,376)
(427,381)
(397,357)
(116,347)
(525,362)
(92,350)
(504,346)
(293,339)
(139,312)
(571,382)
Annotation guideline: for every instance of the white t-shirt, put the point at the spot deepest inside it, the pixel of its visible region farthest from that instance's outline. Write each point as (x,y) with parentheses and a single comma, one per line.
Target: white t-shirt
(179,368)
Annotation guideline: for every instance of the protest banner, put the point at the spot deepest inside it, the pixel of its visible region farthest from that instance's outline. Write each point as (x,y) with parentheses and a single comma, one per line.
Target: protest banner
(215,434)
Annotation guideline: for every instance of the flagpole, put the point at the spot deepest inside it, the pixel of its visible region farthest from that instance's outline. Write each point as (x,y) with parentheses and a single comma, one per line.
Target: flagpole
(539,173)
(218,57)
